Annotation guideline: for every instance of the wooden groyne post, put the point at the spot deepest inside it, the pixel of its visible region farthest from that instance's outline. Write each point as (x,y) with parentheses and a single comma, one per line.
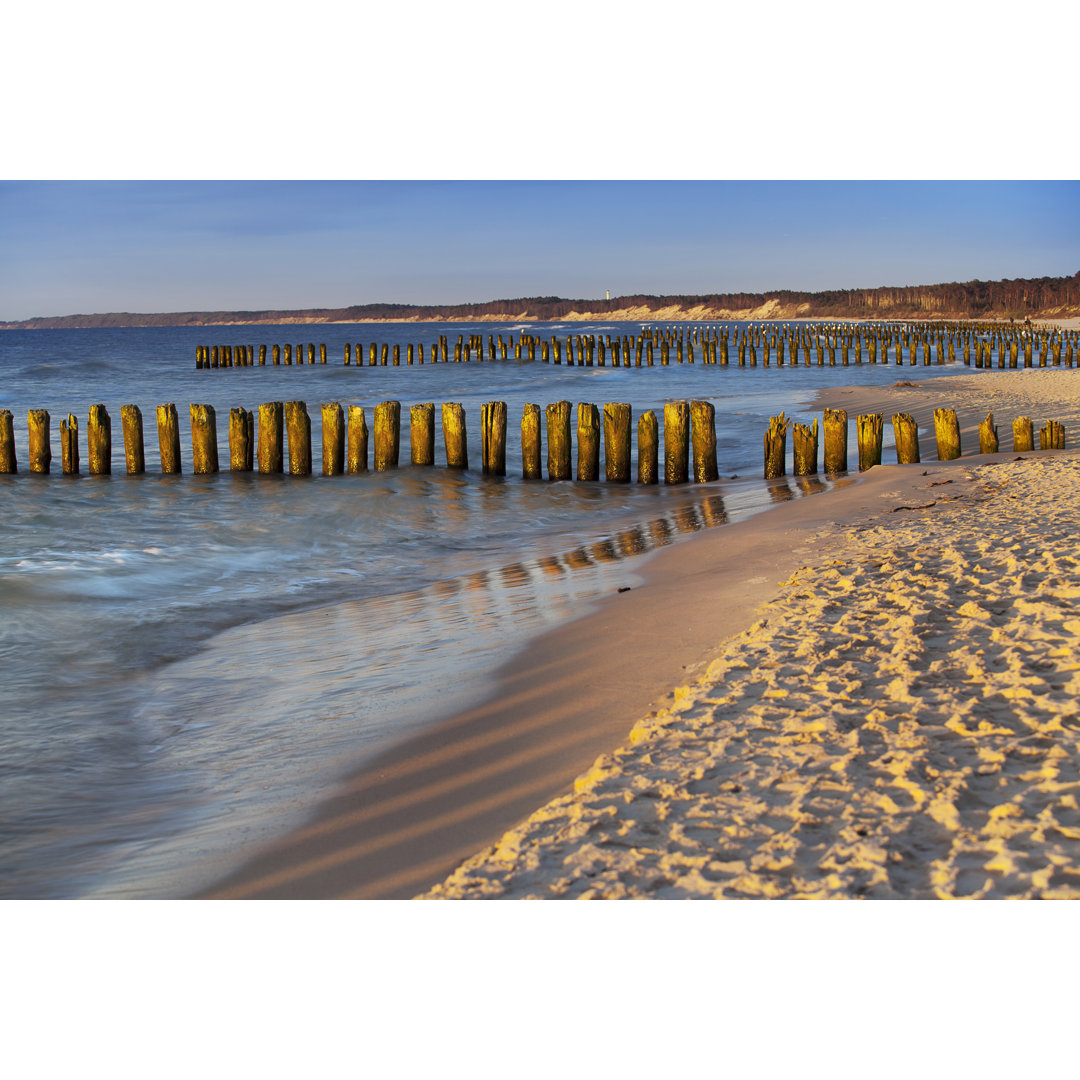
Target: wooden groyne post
(558,440)
(906,433)
(947,430)
(333,439)
(8,461)
(531,465)
(648,448)
(617,420)
(588,442)
(37,421)
(988,436)
(298,434)
(868,431)
(1052,436)
(357,435)
(455,435)
(168,425)
(703,436)
(204,451)
(804,449)
(271,454)
(1023,434)
(776,446)
(387,435)
(422,433)
(134,451)
(99,441)
(69,446)
(835,429)
(241,440)
(676,442)
(493,437)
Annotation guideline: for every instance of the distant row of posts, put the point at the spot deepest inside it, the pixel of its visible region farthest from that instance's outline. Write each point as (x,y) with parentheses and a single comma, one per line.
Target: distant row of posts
(689,426)
(930,344)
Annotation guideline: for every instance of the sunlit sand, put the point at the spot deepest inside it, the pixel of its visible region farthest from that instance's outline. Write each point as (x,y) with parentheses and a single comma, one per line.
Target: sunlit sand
(900,721)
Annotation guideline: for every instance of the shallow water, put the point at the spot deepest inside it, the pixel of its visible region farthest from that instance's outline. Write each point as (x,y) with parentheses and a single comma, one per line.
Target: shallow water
(188,663)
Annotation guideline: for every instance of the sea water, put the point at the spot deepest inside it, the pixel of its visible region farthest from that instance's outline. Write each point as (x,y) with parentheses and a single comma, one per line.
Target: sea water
(189,663)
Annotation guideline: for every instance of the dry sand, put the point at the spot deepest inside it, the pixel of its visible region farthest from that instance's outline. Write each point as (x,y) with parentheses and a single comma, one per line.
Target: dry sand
(901,721)
(401,825)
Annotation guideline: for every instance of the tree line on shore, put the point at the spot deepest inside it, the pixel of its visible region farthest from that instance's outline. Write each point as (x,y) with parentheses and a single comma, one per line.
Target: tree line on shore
(1010,298)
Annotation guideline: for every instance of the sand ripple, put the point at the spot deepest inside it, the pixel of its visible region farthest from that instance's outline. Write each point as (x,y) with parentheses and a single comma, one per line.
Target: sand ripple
(902,722)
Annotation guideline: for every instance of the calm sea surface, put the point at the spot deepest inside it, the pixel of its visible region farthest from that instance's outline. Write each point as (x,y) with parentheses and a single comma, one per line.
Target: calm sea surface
(187,664)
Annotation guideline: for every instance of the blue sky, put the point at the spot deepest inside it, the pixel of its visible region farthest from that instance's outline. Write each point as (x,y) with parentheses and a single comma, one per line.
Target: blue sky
(88,246)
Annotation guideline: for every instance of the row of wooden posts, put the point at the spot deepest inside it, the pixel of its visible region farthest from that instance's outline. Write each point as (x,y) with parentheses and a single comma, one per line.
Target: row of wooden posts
(645,350)
(869,431)
(688,425)
(345,440)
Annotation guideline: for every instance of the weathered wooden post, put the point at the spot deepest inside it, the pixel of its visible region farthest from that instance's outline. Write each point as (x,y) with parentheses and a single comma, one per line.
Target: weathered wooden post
(99,441)
(422,433)
(1052,435)
(648,433)
(531,467)
(906,433)
(776,446)
(835,429)
(241,440)
(947,430)
(804,449)
(37,420)
(558,439)
(455,435)
(703,435)
(298,435)
(676,442)
(493,437)
(868,429)
(356,459)
(276,355)
(617,420)
(988,436)
(588,441)
(204,451)
(271,453)
(262,356)
(69,446)
(333,439)
(168,426)
(8,461)
(348,353)
(387,435)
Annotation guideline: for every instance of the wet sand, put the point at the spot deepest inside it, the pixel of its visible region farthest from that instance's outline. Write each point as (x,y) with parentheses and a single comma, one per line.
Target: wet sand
(400,826)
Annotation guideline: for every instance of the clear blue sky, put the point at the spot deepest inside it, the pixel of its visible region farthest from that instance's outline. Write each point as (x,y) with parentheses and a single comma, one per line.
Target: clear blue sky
(92,246)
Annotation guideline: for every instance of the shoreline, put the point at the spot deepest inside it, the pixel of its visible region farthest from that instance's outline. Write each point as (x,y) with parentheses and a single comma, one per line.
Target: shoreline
(401,825)
(629,315)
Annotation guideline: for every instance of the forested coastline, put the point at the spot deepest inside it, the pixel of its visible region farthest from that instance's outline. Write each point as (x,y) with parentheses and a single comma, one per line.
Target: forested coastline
(1020,298)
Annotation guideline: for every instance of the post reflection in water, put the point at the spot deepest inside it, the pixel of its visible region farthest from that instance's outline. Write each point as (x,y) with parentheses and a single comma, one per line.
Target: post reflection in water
(780,491)
(810,485)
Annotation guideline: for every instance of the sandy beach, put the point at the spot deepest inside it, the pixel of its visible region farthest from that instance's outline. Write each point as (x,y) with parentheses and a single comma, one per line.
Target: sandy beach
(874,695)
